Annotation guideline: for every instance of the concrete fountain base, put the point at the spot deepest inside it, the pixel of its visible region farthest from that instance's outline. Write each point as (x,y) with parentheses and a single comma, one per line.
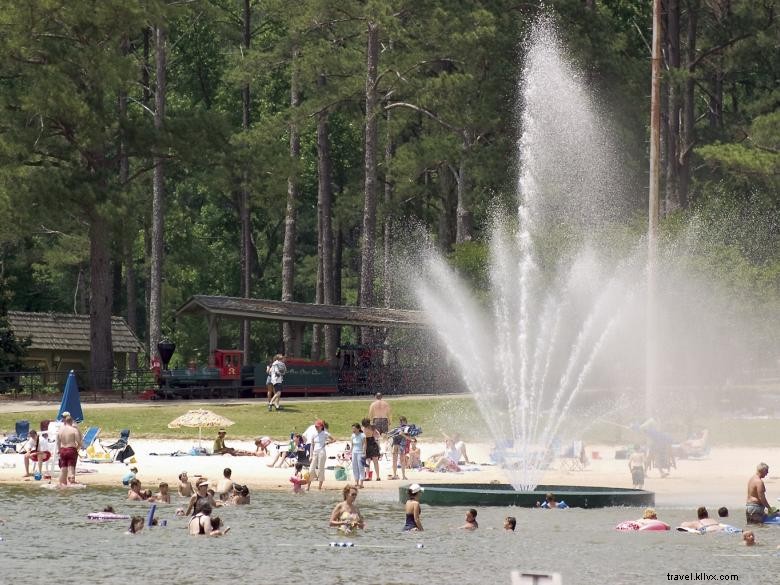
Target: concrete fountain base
(503,494)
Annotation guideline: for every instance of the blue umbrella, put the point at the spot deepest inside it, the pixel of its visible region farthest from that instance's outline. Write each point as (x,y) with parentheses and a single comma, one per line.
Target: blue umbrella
(71,402)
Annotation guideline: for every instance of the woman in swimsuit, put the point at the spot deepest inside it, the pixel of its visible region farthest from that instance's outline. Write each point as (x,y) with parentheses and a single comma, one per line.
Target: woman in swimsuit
(201,524)
(372,446)
(412,508)
(346,515)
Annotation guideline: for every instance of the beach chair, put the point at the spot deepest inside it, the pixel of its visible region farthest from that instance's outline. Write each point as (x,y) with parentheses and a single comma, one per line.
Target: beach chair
(120,449)
(88,441)
(21,434)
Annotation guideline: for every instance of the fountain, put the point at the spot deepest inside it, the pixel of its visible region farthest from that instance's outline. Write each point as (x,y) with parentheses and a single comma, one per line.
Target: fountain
(525,356)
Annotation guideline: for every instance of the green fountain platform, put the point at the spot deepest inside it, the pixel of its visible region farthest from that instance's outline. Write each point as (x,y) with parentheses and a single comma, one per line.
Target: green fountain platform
(503,494)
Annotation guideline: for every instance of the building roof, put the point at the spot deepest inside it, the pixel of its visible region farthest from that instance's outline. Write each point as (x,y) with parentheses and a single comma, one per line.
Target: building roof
(241,308)
(67,332)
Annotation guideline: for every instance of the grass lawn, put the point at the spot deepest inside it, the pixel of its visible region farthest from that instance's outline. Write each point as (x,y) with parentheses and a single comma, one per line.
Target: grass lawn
(434,414)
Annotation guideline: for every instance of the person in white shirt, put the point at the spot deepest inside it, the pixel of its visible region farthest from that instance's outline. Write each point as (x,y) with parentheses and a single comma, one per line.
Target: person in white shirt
(319,455)
(276,371)
(33,445)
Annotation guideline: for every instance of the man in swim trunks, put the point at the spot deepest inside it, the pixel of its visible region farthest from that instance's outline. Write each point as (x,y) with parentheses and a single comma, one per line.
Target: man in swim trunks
(68,443)
(756,496)
(379,414)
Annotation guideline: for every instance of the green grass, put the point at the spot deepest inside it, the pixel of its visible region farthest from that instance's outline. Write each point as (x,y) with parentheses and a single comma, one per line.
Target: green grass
(434,414)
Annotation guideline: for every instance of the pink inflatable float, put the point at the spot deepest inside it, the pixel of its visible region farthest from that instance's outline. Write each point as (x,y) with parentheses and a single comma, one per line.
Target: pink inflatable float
(648,524)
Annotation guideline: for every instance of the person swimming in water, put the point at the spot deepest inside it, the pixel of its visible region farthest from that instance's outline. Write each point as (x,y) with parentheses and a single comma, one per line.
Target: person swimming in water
(346,515)
(471,520)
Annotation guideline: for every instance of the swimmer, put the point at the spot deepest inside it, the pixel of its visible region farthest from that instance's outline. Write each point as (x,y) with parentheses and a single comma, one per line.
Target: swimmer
(134,493)
(471,520)
(412,508)
(346,515)
(748,538)
(163,495)
(136,525)
(510,522)
(202,524)
(704,521)
(185,487)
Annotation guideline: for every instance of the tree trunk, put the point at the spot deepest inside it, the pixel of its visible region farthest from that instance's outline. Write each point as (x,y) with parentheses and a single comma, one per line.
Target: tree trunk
(131,290)
(673,104)
(338,255)
(325,222)
(289,333)
(688,130)
(448,217)
(387,235)
(464,223)
(158,199)
(101,356)
(368,235)
(246,234)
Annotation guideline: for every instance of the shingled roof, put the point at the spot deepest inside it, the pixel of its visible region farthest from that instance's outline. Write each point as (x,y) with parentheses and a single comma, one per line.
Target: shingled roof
(67,332)
(241,308)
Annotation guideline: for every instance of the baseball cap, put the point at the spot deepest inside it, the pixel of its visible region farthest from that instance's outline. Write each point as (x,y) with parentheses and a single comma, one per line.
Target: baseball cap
(222,431)
(203,482)
(65,414)
(416,488)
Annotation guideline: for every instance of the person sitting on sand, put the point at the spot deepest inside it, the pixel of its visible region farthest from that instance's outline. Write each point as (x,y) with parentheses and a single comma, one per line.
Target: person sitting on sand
(510,522)
(704,522)
(471,520)
(346,515)
(185,487)
(460,446)
(448,459)
(134,493)
(294,448)
(415,462)
(219,447)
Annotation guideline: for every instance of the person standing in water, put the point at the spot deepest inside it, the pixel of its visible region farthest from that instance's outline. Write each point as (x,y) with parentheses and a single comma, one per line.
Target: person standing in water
(412,508)
(757,506)
(68,443)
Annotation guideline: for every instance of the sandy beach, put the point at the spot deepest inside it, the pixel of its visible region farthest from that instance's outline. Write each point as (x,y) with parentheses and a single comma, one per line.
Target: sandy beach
(718,479)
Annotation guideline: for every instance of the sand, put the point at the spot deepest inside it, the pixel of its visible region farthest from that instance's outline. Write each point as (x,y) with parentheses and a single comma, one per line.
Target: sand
(719,479)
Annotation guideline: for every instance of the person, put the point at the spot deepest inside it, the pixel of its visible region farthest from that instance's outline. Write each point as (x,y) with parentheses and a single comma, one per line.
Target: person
(510,522)
(185,487)
(372,448)
(224,485)
(240,496)
(203,524)
(471,520)
(412,508)
(319,456)
(68,444)
(704,522)
(749,538)
(723,512)
(31,449)
(136,525)
(277,370)
(147,496)
(358,453)
(448,458)
(294,448)
(261,446)
(636,465)
(379,414)
(460,446)
(269,388)
(219,444)
(130,475)
(297,478)
(134,493)
(757,504)
(163,495)
(200,498)
(346,515)
(414,458)
(399,450)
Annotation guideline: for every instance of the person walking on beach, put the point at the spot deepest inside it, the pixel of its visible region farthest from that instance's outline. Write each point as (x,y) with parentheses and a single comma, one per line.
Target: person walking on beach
(68,443)
(757,506)
(379,414)
(277,370)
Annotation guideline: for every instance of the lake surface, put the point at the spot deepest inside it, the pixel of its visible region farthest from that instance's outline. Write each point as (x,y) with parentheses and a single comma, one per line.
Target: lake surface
(282,538)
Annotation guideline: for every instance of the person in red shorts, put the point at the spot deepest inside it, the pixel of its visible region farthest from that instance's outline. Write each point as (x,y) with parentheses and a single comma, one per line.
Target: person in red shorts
(68,443)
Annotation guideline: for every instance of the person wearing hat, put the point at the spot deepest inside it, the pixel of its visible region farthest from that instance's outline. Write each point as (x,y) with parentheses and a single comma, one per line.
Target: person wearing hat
(412,508)
(68,444)
(219,445)
(200,497)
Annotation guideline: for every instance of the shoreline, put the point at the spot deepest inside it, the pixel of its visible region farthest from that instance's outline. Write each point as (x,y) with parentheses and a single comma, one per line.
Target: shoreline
(719,479)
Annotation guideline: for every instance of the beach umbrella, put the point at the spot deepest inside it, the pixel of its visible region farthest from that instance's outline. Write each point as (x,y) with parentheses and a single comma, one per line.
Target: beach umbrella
(71,401)
(200,418)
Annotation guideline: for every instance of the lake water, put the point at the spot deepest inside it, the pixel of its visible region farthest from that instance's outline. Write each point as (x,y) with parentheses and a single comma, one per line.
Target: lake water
(282,538)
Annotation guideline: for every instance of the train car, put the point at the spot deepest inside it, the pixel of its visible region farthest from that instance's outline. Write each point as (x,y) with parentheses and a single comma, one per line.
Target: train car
(225,377)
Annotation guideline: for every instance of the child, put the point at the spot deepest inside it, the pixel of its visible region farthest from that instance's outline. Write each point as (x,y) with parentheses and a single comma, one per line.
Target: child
(749,538)
(509,523)
(185,487)
(414,455)
(471,520)
(297,479)
(163,495)
(129,476)
(136,525)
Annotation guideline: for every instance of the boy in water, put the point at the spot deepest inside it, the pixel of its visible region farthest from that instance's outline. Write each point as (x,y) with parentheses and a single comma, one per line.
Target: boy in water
(509,523)
(471,520)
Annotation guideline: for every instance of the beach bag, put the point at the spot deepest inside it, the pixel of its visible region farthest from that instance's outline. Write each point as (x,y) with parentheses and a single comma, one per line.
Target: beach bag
(341,474)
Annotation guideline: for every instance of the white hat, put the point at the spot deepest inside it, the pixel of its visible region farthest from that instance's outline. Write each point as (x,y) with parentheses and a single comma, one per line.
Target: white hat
(416,488)
(203,482)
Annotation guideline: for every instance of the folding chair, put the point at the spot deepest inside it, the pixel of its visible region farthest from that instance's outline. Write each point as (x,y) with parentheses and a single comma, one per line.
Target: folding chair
(120,449)
(88,442)
(14,439)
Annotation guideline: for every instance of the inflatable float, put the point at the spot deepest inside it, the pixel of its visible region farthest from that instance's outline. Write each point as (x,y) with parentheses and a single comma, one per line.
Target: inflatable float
(106,516)
(629,525)
(772,520)
(711,529)
(560,505)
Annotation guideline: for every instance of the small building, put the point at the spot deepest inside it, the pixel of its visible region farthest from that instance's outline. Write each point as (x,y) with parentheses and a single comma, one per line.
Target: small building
(60,341)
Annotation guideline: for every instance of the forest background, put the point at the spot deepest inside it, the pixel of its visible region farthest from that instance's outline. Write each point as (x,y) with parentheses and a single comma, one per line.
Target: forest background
(151,150)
